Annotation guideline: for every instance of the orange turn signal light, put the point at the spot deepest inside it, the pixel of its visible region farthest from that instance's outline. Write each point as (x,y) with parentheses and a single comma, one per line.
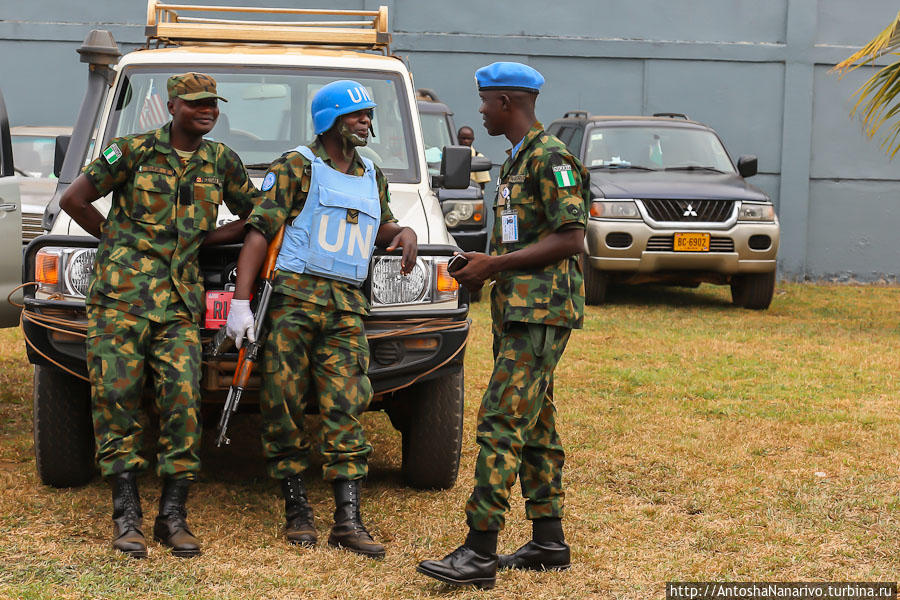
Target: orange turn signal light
(46,268)
(445,283)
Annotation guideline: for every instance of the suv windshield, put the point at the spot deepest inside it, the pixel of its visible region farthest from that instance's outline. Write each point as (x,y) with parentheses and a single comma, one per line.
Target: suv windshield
(268,113)
(656,147)
(436,134)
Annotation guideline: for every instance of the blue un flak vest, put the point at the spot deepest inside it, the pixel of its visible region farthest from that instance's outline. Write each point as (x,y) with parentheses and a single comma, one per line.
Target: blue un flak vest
(324,240)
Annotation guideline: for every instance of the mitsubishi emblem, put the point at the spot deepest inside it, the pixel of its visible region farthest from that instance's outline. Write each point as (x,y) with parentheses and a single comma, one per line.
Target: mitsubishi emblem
(689,211)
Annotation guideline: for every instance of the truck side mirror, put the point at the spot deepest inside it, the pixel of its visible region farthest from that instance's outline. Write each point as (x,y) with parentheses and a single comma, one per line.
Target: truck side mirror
(747,165)
(456,166)
(481,163)
(59,152)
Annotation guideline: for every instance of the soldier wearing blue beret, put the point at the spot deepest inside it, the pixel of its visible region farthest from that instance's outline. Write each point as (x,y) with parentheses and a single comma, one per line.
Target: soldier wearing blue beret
(537,299)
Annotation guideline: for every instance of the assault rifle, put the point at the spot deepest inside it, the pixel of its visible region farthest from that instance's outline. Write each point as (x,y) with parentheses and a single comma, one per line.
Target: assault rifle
(249,354)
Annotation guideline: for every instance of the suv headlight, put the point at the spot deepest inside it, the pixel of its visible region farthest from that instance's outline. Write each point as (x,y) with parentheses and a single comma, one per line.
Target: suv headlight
(64,270)
(428,282)
(756,212)
(463,213)
(615,209)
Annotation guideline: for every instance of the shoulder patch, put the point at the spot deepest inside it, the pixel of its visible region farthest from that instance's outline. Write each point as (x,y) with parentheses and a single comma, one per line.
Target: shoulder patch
(269,182)
(564,176)
(112,154)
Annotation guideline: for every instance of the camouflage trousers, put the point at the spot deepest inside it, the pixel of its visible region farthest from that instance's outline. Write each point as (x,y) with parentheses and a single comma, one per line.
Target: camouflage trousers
(516,431)
(121,349)
(314,352)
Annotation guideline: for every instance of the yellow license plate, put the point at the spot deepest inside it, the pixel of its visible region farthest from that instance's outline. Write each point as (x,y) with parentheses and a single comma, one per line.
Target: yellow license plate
(691,242)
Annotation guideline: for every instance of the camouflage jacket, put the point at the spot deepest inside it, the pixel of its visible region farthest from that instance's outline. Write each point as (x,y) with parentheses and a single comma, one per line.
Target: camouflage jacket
(147,259)
(284,201)
(546,188)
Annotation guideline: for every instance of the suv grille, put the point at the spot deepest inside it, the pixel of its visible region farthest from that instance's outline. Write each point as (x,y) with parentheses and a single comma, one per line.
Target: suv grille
(665,243)
(699,211)
(31,226)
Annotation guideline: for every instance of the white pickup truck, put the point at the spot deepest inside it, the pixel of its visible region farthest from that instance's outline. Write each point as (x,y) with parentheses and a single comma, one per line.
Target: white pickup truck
(269,70)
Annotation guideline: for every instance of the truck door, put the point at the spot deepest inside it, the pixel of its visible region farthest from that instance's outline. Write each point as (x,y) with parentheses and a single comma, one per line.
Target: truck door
(10,226)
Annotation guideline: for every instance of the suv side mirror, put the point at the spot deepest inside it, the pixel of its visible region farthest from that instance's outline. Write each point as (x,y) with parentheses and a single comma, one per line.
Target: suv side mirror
(481,163)
(456,166)
(59,152)
(747,165)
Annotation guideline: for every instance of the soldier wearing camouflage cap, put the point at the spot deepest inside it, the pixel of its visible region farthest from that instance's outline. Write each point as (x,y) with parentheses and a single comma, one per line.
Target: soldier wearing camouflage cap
(146,297)
(317,343)
(537,299)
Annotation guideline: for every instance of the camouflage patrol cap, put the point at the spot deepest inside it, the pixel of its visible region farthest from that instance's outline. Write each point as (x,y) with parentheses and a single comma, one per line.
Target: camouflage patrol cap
(192,86)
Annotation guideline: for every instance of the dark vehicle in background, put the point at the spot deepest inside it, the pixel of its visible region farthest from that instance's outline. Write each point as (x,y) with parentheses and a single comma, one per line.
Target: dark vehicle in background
(670,206)
(464,213)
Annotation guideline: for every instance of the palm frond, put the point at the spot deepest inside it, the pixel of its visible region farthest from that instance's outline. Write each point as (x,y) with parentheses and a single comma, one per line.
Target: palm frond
(883,43)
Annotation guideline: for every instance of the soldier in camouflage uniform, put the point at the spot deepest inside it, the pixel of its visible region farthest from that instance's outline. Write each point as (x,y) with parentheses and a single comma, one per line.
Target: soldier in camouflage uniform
(316,346)
(536,300)
(145,298)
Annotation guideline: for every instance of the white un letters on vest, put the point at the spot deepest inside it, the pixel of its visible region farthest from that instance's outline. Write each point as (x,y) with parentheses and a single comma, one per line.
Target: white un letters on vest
(356,241)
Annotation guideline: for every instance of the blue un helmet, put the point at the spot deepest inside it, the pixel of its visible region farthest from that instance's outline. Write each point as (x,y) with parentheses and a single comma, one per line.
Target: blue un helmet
(336,99)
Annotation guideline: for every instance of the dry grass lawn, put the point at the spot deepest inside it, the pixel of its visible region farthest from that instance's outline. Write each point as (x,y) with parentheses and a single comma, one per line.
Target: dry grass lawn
(703,442)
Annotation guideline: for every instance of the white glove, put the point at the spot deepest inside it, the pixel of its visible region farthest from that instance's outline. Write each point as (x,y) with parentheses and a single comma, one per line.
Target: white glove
(240,322)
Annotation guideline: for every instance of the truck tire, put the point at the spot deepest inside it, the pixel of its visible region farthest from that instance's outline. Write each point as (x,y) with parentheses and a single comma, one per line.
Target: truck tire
(432,431)
(63,429)
(754,290)
(595,283)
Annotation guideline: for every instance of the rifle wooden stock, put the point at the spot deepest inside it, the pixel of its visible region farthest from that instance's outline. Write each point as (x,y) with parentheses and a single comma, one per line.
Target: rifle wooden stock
(249,354)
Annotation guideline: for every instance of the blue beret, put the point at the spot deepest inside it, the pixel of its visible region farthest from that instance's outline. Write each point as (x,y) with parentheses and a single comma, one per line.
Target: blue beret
(509,76)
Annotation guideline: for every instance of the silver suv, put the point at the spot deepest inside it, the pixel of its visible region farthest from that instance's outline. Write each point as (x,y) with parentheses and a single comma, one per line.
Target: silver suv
(670,206)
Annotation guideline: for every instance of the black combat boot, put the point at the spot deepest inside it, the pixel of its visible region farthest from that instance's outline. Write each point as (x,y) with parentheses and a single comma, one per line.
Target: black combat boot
(547,550)
(300,527)
(348,531)
(127,515)
(171,527)
(474,563)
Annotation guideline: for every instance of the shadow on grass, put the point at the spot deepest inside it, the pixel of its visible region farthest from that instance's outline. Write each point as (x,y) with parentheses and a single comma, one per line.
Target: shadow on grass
(663,295)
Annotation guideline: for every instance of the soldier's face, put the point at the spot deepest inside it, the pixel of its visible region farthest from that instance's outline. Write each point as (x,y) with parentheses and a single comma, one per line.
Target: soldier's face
(492,111)
(194,117)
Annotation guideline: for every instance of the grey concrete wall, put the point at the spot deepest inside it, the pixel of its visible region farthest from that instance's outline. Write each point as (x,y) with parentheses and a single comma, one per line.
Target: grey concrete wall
(755,71)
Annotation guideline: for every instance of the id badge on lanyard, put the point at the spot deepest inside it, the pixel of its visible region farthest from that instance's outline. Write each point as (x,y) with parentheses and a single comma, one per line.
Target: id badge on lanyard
(509,218)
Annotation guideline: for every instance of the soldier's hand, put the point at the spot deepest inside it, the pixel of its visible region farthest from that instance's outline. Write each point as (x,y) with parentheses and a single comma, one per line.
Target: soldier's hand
(476,271)
(240,322)
(406,239)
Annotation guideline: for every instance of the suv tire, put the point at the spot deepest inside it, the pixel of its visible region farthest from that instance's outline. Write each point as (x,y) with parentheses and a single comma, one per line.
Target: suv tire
(595,282)
(432,431)
(63,429)
(754,290)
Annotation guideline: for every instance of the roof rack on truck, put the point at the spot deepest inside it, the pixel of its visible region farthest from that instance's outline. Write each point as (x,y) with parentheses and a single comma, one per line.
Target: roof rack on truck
(167,23)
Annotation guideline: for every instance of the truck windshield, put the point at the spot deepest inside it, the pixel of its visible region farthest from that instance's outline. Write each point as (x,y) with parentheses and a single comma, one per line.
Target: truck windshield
(655,148)
(268,113)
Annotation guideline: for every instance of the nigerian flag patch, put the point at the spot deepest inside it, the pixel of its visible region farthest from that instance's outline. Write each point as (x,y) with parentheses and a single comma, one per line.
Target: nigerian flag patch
(112,154)
(564,176)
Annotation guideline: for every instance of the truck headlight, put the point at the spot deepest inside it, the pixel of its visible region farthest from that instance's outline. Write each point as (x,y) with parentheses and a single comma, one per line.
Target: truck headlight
(756,212)
(463,212)
(428,282)
(64,270)
(615,209)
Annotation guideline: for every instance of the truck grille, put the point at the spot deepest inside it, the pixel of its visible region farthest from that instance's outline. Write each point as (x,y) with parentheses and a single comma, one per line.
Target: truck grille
(31,226)
(665,243)
(698,211)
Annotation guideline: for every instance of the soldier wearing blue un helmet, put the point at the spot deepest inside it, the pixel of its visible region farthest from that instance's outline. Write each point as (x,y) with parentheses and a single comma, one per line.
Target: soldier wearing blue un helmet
(317,343)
